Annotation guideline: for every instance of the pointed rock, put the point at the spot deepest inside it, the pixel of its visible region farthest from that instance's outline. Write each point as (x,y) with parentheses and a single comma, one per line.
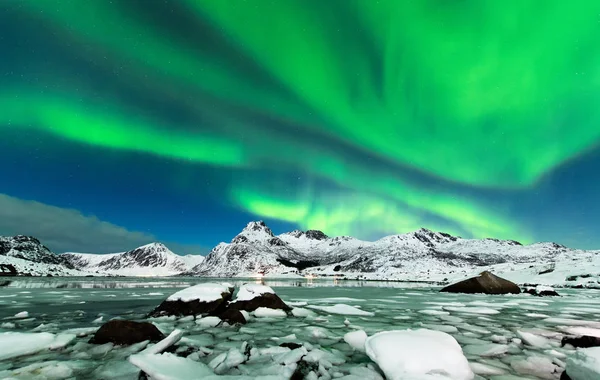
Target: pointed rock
(486,282)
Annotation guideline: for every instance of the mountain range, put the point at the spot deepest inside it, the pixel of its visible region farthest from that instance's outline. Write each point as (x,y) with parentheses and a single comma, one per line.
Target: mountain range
(422,255)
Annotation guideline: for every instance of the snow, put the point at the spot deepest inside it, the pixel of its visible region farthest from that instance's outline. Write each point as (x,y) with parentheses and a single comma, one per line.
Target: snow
(543,288)
(248,292)
(15,344)
(533,340)
(585,364)
(205,292)
(208,321)
(174,337)
(263,312)
(170,367)
(418,354)
(356,339)
(343,309)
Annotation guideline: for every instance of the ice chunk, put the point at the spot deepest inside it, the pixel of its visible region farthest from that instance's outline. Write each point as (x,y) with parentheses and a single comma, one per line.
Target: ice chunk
(262,312)
(423,354)
(472,310)
(356,339)
(585,364)
(22,314)
(485,350)
(301,312)
(208,321)
(170,367)
(248,292)
(206,292)
(61,340)
(534,340)
(538,366)
(14,344)
(173,338)
(486,369)
(343,309)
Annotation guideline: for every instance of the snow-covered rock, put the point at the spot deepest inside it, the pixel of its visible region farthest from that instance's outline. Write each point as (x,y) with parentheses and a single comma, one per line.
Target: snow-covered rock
(200,299)
(418,354)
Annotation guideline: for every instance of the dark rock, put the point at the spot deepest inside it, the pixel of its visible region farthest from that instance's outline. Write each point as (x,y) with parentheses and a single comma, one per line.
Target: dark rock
(195,307)
(8,270)
(122,332)
(486,283)
(232,316)
(584,341)
(239,239)
(316,235)
(290,345)
(270,300)
(300,265)
(303,369)
(564,376)
(276,241)
(543,293)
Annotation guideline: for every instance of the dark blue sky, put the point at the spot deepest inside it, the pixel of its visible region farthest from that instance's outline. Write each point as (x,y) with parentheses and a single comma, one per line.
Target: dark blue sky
(129,122)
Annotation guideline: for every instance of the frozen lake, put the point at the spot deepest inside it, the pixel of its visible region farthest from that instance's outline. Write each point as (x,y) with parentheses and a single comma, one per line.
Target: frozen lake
(503,337)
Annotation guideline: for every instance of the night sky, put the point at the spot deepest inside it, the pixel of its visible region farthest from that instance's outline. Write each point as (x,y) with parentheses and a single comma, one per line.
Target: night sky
(124,122)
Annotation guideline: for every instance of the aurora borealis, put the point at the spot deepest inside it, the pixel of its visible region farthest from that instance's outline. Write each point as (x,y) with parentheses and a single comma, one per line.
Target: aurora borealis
(183,120)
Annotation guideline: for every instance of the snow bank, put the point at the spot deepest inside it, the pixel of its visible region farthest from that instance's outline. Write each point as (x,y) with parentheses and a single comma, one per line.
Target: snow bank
(422,354)
(206,292)
(585,364)
(248,292)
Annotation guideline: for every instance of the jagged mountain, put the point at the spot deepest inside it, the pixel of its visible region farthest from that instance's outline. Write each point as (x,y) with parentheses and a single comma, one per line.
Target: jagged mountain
(30,257)
(419,255)
(153,259)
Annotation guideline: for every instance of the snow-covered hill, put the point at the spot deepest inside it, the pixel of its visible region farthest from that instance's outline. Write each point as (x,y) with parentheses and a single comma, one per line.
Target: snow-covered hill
(422,255)
(30,257)
(153,259)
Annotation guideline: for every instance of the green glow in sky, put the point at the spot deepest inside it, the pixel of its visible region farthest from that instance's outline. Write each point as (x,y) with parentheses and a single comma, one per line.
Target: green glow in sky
(474,95)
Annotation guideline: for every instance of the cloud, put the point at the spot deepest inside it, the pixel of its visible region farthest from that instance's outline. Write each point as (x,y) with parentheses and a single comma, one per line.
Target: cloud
(68,230)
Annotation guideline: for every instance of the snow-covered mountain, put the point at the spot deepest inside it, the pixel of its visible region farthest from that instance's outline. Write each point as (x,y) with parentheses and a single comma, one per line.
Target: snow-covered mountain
(153,259)
(422,255)
(30,257)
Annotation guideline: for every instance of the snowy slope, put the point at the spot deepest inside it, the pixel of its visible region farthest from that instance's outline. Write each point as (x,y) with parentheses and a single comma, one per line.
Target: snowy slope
(422,255)
(153,259)
(30,249)
(30,257)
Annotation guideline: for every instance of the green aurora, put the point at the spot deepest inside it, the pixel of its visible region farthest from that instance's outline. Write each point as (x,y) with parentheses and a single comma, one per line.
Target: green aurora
(441,104)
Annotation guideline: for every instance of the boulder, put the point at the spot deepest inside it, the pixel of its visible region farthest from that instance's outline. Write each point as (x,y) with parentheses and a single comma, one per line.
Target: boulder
(232,316)
(124,333)
(584,341)
(252,296)
(486,282)
(542,291)
(202,299)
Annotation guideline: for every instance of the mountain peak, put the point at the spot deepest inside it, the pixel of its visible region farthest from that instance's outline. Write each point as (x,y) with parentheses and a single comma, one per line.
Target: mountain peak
(258,226)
